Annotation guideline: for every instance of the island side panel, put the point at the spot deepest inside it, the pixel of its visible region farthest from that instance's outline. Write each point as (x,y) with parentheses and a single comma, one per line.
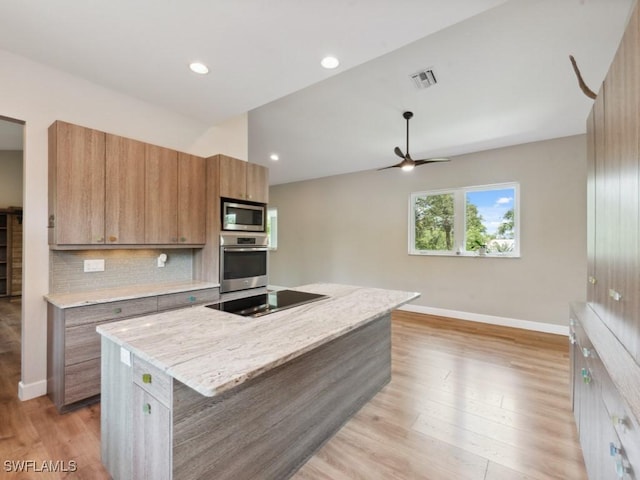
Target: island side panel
(268,427)
(116,405)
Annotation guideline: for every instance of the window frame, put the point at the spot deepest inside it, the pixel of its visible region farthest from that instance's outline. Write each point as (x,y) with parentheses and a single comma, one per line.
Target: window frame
(272,228)
(459,221)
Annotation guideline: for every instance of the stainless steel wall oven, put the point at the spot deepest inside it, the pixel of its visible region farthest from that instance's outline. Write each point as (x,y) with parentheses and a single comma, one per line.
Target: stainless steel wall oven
(243,261)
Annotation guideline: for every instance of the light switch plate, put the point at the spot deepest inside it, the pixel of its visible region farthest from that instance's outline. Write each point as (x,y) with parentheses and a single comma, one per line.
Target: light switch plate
(94,265)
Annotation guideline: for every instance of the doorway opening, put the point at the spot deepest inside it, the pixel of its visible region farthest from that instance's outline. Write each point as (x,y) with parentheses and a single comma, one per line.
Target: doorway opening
(11,253)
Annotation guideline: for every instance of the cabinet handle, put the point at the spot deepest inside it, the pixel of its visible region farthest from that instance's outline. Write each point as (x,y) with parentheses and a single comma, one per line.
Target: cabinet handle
(192,298)
(586,375)
(146,408)
(618,421)
(99,240)
(614,450)
(592,280)
(117,310)
(572,338)
(183,239)
(621,470)
(174,239)
(113,238)
(146,378)
(615,295)
(586,353)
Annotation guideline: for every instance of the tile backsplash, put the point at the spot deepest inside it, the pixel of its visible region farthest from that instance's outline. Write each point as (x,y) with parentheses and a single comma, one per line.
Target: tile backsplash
(122,268)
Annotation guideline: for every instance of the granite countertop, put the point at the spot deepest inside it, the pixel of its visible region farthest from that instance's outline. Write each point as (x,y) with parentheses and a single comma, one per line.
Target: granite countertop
(78,299)
(213,351)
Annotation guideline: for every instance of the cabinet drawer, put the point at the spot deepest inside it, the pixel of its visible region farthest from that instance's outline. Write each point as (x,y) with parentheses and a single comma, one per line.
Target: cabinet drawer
(109,311)
(152,380)
(619,416)
(82,343)
(184,299)
(81,381)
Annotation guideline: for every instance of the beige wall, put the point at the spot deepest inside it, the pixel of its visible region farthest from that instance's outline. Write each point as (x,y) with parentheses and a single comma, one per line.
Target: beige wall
(10,178)
(353,229)
(40,95)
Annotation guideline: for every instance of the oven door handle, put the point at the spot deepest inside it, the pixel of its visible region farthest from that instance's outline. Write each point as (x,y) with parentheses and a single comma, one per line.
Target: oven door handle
(245,249)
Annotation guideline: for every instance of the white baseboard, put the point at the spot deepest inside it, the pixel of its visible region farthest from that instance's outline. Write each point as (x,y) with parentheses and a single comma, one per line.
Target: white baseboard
(490,319)
(32,390)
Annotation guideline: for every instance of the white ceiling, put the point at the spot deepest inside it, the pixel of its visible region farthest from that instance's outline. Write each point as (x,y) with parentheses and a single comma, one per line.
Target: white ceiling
(504,76)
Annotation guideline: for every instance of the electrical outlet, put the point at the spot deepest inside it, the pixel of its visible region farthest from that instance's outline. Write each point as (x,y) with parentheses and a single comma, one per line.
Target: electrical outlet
(94,265)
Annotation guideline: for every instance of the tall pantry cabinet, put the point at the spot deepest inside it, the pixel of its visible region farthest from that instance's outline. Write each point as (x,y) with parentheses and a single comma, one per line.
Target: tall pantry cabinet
(605,332)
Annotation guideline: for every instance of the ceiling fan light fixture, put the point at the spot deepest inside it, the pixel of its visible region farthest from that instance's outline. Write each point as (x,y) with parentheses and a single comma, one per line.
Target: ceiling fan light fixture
(407,167)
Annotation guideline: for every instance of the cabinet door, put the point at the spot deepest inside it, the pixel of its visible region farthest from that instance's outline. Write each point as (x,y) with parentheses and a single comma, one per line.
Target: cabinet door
(161,195)
(257,183)
(151,437)
(124,212)
(76,184)
(233,177)
(591,207)
(192,210)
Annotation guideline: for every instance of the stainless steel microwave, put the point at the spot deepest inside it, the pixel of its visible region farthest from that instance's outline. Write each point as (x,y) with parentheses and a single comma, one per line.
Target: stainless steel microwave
(243,217)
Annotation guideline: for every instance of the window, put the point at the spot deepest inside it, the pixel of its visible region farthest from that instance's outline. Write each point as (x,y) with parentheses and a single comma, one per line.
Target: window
(480,220)
(272,228)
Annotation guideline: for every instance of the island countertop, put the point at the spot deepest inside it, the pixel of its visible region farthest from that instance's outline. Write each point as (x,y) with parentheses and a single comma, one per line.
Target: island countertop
(213,351)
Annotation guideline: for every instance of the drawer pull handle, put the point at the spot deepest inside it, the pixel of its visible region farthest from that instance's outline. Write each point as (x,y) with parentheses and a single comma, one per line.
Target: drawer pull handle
(146,378)
(621,470)
(615,295)
(586,375)
(586,353)
(618,421)
(192,298)
(572,338)
(117,310)
(592,280)
(614,450)
(113,238)
(183,239)
(146,408)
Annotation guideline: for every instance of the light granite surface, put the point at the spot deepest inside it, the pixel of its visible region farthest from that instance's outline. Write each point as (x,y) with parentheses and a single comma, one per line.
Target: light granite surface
(68,300)
(213,351)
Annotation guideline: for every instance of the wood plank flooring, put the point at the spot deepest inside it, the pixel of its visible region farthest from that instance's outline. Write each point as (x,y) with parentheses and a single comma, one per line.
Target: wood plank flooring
(466,401)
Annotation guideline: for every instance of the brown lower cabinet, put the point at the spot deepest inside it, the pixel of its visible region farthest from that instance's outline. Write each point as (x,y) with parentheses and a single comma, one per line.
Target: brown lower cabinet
(73,348)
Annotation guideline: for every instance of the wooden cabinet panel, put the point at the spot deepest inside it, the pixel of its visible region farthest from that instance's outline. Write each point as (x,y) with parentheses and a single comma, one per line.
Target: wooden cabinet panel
(191,199)
(76,184)
(185,299)
(233,177)
(151,429)
(75,316)
(161,195)
(257,183)
(124,191)
(153,380)
(82,381)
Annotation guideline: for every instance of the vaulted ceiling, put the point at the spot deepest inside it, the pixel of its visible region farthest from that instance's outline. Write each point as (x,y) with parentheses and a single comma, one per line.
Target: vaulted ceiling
(502,68)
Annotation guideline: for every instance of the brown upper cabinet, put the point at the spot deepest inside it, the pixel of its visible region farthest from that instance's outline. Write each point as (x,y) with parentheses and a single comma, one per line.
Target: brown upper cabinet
(243,180)
(76,185)
(125,177)
(110,190)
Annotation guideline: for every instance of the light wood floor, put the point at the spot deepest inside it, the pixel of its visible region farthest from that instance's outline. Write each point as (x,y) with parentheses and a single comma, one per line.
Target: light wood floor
(465,402)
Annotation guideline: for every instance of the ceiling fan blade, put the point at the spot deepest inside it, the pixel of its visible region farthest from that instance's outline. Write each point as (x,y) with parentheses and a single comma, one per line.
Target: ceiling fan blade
(398,152)
(397,165)
(431,160)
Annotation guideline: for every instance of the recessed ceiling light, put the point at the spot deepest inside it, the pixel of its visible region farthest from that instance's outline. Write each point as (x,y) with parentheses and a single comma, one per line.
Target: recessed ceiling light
(330,62)
(198,67)
(274,157)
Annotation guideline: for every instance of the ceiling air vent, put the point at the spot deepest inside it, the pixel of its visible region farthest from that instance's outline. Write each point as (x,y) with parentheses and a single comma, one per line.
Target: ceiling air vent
(424,78)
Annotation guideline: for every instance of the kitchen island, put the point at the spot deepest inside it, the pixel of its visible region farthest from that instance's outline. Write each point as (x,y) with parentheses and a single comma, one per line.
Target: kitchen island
(201,393)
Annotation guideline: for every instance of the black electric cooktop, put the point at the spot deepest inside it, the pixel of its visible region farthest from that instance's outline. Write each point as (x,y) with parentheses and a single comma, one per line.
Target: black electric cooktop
(265,303)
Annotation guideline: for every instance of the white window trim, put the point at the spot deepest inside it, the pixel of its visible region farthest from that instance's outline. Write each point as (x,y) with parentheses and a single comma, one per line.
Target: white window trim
(459,221)
(272,214)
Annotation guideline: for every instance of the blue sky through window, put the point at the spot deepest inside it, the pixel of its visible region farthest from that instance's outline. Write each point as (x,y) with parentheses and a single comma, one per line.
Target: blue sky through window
(492,205)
